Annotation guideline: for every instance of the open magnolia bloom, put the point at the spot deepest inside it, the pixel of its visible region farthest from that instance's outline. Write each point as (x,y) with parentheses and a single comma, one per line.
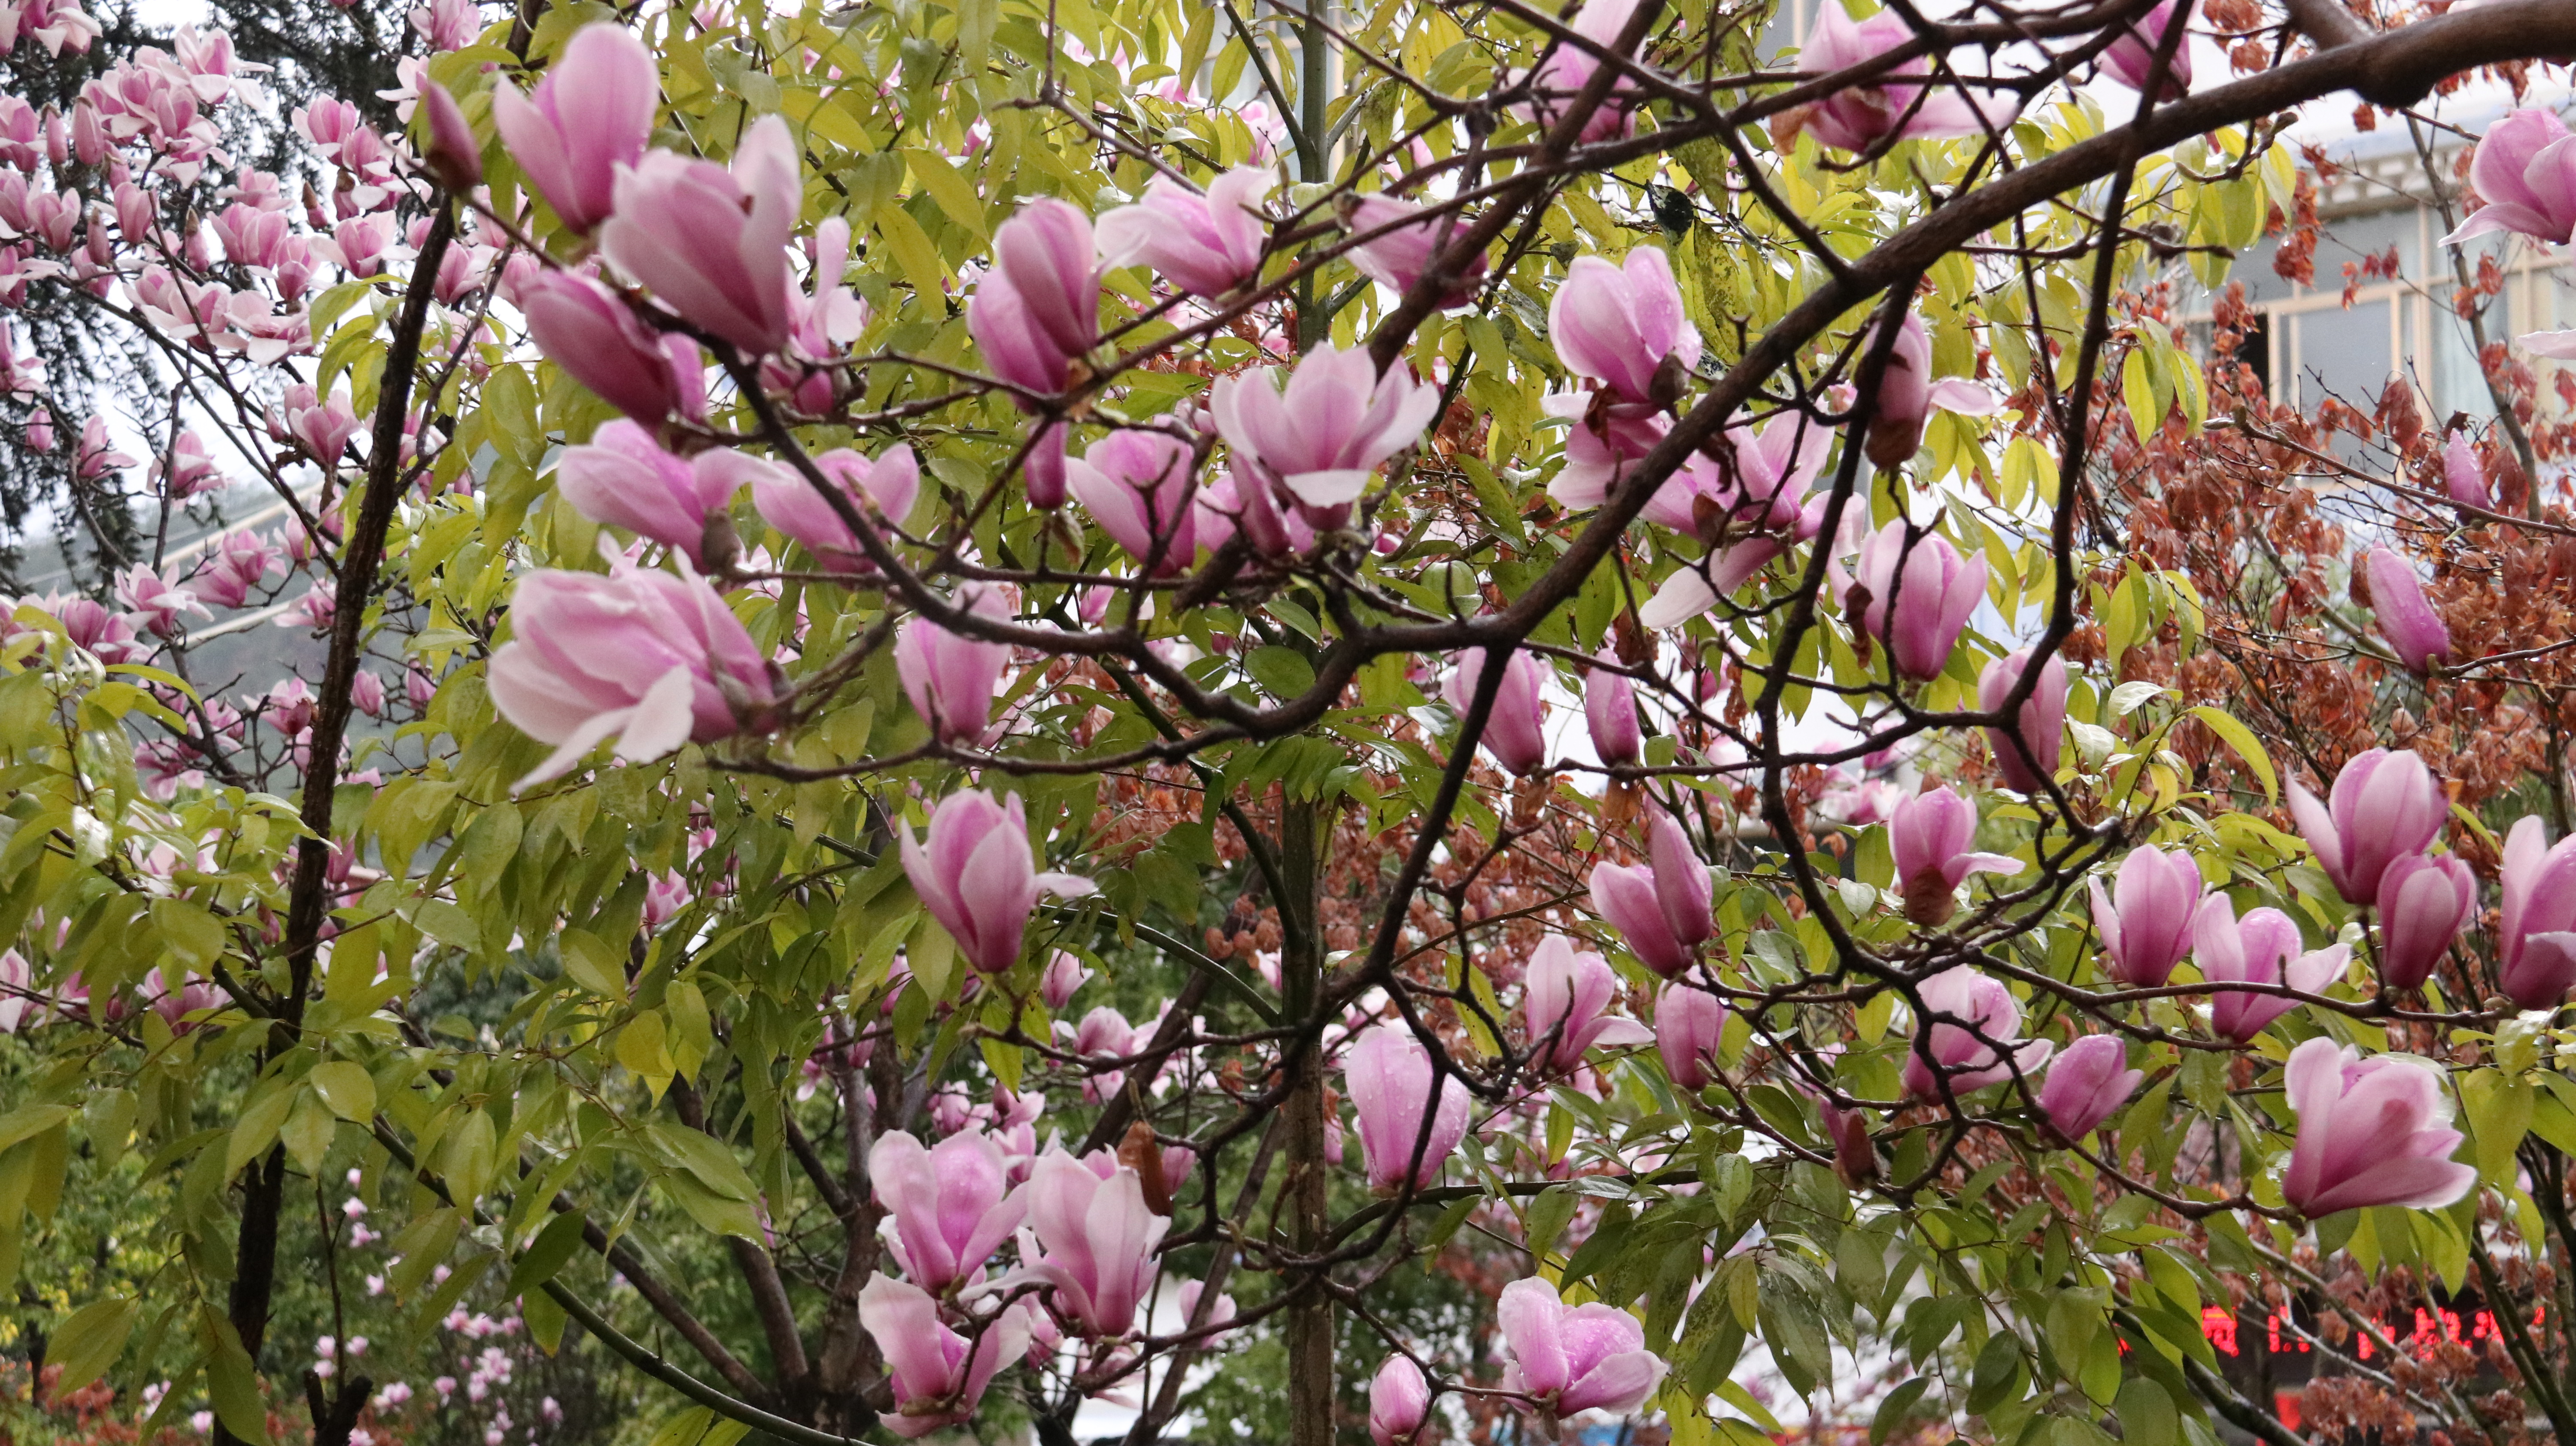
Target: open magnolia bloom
(1131,525)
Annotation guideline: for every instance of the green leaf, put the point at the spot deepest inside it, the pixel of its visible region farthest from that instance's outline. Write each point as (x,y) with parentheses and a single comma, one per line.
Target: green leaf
(88,1343)
(257,1128)
(2146,1414)
(346,1088)
(30,1120)
(2500,1113)
(592,964)
(193,935)
(1893,1411)
(307,1132)
(547,1254)
(230,1379)
(2241,738)
(1997,1377)
(1283,672)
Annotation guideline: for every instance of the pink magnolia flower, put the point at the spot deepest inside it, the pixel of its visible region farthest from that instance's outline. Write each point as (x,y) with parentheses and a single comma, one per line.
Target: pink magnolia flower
(1930,836)
(1970,1027)
(1574,1358)
(1610,711)
(2132,58)
(590,116)
(975,875)
(1321,436)
(1039,306)
(1569,68)
(2414,631)
(2424,902)
(1399,1402)
(1661,908)
(951,1205)
(623,477)
(1915,598)
(651,659)
(1623,326)
(1564,999)
(790,503)
(1904,400)
(2042,721)
(1397,259)
(2538,930)
(1388,1076)
(2464,479)
(591,332)
(1516,726)
(155,603)
(2145,917)
(710,241)
(2256,949)
(2371,1132)
(1065,977)
(1093,1240)
(322,428)
(1689,1022)
(938,1375)
(2525,172)
(949,677)
(1860,116)
(2087,1082)
(455,158)
(2384,805)
(106,636)
(1138,486)
(1206,245)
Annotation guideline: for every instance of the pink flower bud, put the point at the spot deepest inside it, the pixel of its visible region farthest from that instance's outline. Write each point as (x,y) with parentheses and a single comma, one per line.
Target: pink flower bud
(2256,949)
(2521,171)
(2089,1080)
(1399,1402)
(1969,1029)
(1689,1022)
(1322,436)
(791,504)
(455,158)
(937,1376)
(592,114)
(1610,710)
(1930,836)
(1662,909)
(2132,58)
(975,875)
(1623,325)
(950,678)
(1388,1076)
(951,1204)
(1397,259)
(2464,480)
(1515,731)
(1564,1002)
(1915,596)
(622,477)
(1093,1240)
(2145,917)
(711,241)
(1137,486)
(2414,631)
(591,333)
(2042,721)
(2384,806)
(2537,932)
(2423,904)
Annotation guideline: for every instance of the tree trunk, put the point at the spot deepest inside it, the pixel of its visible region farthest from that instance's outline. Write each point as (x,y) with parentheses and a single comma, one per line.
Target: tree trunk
(1309,1323)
